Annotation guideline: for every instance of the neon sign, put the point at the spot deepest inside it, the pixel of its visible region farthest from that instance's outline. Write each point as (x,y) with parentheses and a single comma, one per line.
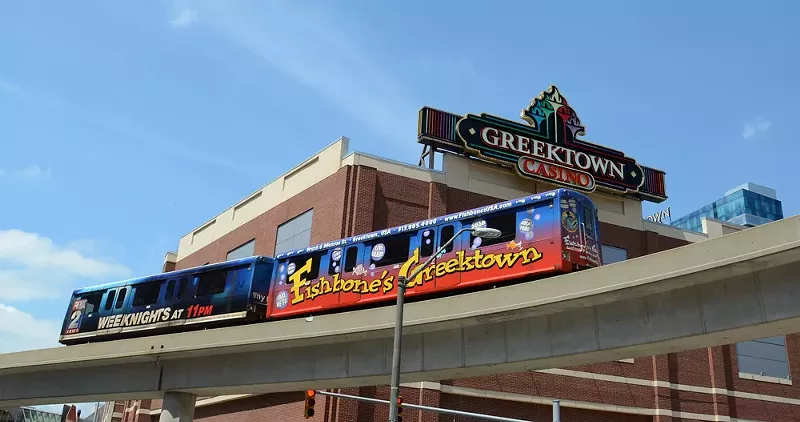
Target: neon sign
(547,148)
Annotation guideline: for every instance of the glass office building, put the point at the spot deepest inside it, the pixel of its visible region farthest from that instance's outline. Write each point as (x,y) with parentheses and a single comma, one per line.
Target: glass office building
(746,205)
(28,414)
(32,414)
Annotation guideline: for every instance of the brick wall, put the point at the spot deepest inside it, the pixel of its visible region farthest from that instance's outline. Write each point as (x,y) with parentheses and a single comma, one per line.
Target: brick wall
(168,266)
(286,407)
(530,411)
(327,198)
(362,199)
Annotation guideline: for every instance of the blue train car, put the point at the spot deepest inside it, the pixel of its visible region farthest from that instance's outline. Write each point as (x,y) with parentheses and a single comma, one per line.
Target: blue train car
(212,295)
(541,235)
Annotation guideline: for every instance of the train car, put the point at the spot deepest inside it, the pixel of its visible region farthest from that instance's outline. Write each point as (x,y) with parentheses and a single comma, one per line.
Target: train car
(541,235)
(212,295)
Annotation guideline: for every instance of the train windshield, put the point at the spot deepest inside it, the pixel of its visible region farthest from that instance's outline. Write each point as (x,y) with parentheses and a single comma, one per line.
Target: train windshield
(588,221)
(92,303)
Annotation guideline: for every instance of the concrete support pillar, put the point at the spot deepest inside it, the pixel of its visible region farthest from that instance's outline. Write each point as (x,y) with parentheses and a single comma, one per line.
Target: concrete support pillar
(177,407)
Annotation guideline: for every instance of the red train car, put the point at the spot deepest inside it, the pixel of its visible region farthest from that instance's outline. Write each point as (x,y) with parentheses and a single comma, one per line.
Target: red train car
(540,235)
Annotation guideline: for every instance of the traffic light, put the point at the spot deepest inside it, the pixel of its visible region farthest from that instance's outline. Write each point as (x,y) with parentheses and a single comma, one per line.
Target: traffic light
(399,408)
(309,410)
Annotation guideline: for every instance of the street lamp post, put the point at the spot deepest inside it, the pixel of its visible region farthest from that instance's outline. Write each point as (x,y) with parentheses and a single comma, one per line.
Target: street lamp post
(484,232)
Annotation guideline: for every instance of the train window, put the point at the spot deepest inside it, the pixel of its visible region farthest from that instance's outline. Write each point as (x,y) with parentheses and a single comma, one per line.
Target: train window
(448,232)
(391,250)
(110,299)
(182,286)
(211,283)
(170,290)
(506,223)
(427,242)
(121,297)
(300,261)
(588,221)
(146,294)
(93,301)
(350,259)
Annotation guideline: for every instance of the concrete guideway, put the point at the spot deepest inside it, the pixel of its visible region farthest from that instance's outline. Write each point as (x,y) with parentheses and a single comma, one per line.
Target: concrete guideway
(737,287)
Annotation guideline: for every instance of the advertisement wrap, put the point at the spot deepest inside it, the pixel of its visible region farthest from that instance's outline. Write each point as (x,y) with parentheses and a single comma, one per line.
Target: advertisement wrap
(534,247)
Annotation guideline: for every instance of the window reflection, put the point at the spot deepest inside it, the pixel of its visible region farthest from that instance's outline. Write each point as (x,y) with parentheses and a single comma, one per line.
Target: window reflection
(764,357)
(741,207)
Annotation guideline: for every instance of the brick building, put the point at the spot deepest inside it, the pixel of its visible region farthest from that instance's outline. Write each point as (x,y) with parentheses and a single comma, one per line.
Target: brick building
(337,193)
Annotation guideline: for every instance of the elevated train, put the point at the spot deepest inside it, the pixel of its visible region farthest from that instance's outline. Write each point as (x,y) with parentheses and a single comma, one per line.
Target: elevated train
(541,235)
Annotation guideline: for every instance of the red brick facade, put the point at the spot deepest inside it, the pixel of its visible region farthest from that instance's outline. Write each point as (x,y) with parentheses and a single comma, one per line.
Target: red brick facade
(685,386)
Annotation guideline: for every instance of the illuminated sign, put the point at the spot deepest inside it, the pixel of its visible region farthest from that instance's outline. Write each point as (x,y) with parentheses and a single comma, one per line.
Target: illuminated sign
(546,149)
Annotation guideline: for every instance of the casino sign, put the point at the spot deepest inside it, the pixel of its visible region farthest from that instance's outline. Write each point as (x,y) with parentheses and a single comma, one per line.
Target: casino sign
(546,149)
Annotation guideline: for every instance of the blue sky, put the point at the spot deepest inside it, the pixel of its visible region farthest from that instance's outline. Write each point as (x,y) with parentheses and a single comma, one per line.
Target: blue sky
(125,125)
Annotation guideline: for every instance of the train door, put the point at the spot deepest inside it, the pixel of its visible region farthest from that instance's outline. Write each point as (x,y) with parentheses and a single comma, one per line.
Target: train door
(260,285)
(590,234)
(114,304)
(448,276)
(572,239)
(241,284)
(346,263)
(424,244)
(175,297)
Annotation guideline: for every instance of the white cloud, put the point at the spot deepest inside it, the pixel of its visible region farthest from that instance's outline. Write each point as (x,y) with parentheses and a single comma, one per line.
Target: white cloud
(22,331)
(36,251)
(33,267)
(756,126)
(186,18)
(31,173)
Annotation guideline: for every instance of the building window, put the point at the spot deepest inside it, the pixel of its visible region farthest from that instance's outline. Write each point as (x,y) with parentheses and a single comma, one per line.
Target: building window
(295,233)
(613,254)
(243,251)
(765,357)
